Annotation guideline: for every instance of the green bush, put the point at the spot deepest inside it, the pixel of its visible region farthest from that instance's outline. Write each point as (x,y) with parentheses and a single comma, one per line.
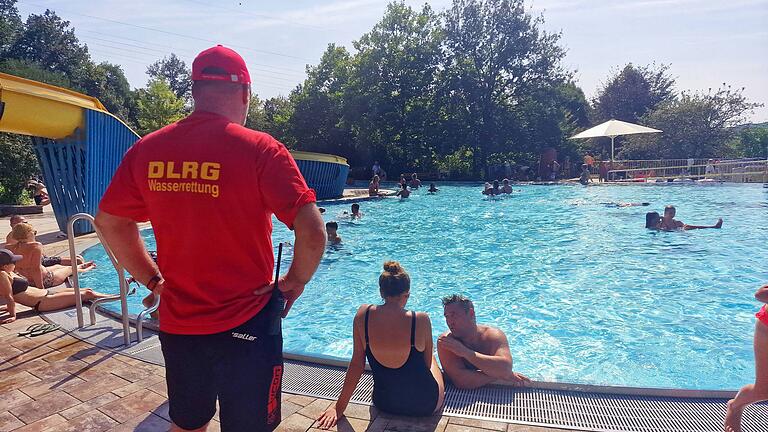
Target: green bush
(17,164)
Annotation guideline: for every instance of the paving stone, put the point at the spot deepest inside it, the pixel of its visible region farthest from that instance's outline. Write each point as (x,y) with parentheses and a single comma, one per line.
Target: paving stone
(47,405)
(295,423)
(474,423)
(146,422)
(360,411)
(346,424)
(300,399)
(90,389)
(316,408)
(89,406)
(7,353)
(289,408)
(146,383)
(43,387)
(91,422)
(47,423)
(163,411)
(13,398)
(12,381)
(129,407)
(60,368)
(9,422)
(160,387)
(416,424)
(131,373)
(378,425)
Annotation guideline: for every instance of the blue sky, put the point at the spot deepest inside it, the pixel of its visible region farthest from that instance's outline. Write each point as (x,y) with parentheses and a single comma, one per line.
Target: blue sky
(707,42)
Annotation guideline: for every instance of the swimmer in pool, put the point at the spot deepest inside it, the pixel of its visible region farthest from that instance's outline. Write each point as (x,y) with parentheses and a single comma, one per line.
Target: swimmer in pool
(506,187)
(495,190)
(653,220)
(331,230)
(669,223)
(356,213)
(623,204)
(403,192)
(432,188)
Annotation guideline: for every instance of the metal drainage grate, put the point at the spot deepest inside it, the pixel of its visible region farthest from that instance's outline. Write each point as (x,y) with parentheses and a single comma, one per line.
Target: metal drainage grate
(553,408)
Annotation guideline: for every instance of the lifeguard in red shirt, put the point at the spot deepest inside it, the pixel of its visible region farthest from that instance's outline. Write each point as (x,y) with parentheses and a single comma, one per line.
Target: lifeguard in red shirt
(210,187)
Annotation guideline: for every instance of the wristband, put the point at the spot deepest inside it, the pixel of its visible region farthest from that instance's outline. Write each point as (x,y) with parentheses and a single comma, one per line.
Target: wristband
(152,283)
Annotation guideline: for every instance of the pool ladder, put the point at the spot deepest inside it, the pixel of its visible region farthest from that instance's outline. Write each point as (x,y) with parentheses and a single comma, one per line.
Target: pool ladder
(125,289)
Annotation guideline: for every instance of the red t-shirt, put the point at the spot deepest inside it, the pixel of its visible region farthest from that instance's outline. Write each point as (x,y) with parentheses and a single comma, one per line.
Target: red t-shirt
(209,187)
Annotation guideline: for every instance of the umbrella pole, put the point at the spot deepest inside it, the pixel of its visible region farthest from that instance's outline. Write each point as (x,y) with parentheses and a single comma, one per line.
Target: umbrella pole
(612,149)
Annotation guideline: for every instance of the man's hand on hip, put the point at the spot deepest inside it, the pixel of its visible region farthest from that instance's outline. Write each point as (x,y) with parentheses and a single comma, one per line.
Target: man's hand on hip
(291,291)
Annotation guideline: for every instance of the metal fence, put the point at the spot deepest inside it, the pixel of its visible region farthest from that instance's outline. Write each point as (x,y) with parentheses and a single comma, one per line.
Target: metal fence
(736,171)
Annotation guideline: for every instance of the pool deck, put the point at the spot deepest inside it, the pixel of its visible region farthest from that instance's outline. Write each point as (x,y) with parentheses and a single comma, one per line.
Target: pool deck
(56,382)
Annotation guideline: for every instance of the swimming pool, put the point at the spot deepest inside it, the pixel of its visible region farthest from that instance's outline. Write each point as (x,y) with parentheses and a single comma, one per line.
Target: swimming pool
(583,291)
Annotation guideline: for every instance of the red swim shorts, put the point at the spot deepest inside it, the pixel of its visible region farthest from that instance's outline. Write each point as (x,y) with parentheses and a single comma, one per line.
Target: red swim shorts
(763,315)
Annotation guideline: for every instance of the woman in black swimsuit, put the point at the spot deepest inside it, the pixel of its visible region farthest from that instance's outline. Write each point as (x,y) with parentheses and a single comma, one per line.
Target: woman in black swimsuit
(399,348)
(15,288)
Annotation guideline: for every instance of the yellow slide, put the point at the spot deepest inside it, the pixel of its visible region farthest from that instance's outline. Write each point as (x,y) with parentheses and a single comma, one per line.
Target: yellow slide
(32,108)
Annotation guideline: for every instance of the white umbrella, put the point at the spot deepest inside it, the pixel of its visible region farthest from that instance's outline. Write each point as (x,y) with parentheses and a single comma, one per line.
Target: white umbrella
(612,129)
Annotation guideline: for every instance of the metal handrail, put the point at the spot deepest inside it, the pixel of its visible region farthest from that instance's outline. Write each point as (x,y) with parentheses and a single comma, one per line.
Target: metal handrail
(97,302)
(76,280)
(140,318)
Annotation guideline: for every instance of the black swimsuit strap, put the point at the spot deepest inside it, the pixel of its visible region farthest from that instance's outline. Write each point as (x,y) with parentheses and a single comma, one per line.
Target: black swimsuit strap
(413,328)
(366,324)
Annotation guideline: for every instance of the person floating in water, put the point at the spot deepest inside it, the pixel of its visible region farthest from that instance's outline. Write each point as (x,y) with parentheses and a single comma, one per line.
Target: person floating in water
(506,187)
(653,220)
(356,213)
(403,192)
(669,223)
(625,204)
(331,229)
(495,190)
(432,188)
(415,182)
(584,178)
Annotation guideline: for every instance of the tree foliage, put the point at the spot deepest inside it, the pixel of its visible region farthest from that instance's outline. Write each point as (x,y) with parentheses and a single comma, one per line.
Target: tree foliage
(10,24)
(695,125)
(634,91)
(157,106)
(17,164)
(176,73)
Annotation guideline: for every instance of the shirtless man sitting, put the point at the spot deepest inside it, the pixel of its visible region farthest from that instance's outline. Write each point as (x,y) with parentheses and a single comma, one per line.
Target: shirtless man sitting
(473,355)
(669,223)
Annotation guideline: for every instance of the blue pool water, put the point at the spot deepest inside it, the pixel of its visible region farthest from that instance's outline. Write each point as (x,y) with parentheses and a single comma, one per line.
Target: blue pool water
(583,291)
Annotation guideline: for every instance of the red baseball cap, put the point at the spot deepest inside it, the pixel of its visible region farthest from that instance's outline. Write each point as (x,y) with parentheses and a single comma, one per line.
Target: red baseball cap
(222,58)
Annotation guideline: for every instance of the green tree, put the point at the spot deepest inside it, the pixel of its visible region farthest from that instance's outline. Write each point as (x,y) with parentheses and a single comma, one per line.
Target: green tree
(10,24)
(157,106)
(389,99)
(108,83)
(633,92)
(317,121)
(17,164)
(753,142)
(176,73)
(48,41)
(695,125)
(497,57)
(33,71)
(272,116)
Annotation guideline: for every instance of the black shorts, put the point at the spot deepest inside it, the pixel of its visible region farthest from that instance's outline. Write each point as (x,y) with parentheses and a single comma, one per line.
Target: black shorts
(47,261)
(242,367)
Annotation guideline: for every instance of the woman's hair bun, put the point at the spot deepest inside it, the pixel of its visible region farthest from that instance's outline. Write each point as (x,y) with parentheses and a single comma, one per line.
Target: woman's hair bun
(393,267)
